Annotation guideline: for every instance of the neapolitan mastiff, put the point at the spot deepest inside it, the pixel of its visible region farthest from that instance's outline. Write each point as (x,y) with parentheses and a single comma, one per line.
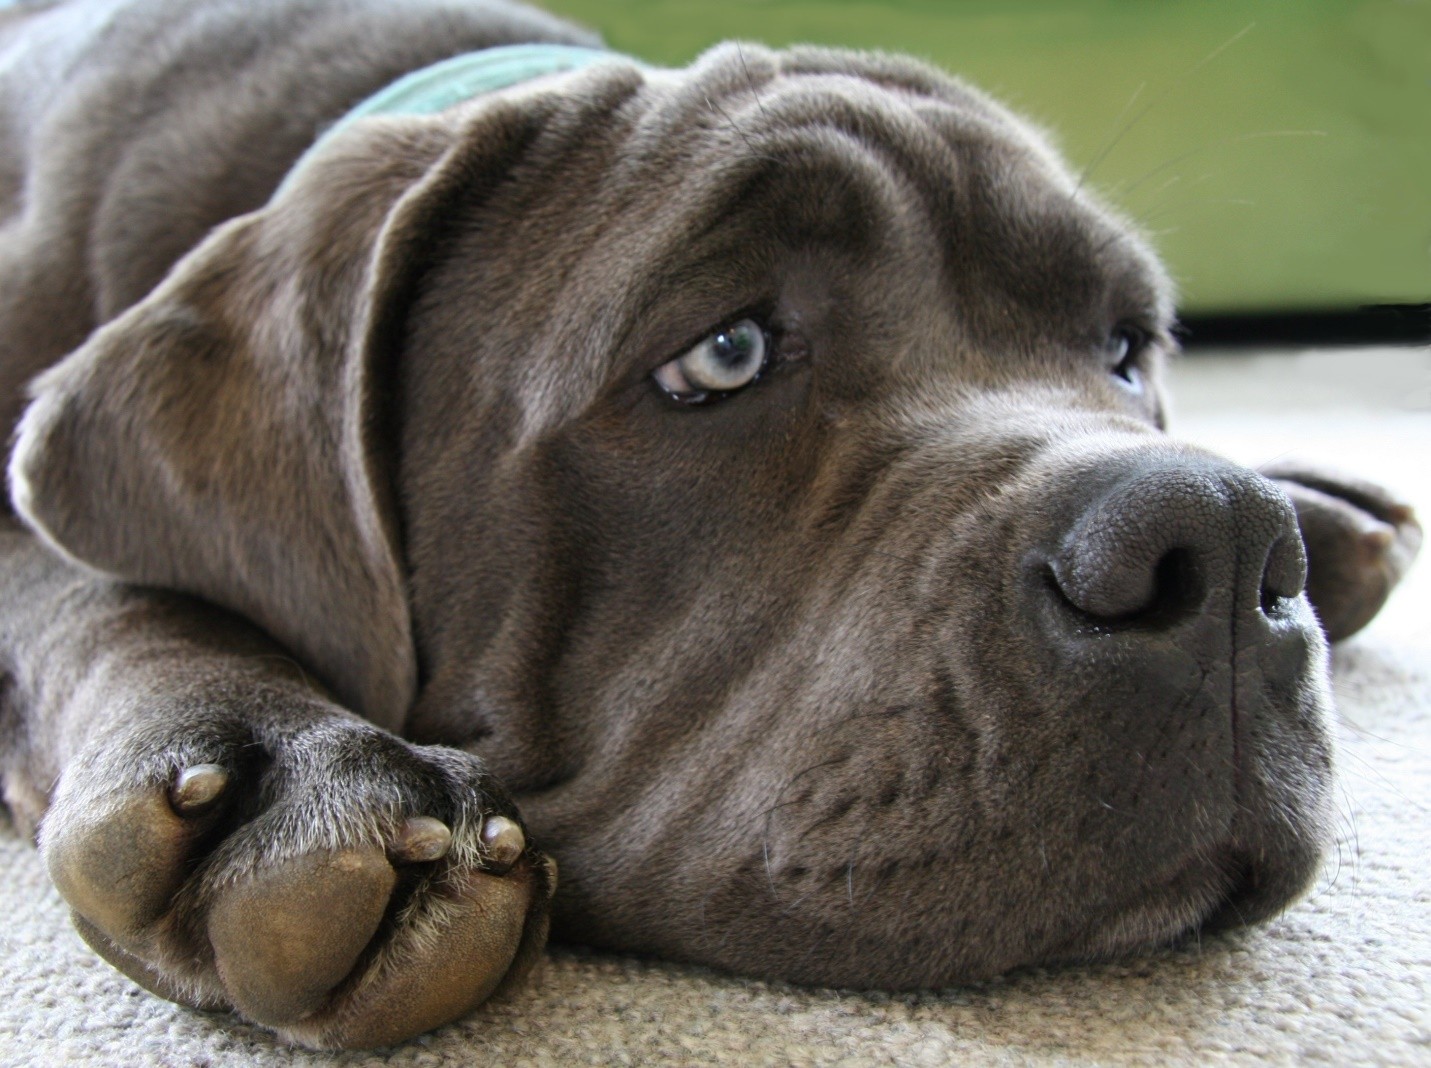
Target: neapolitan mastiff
(756,469)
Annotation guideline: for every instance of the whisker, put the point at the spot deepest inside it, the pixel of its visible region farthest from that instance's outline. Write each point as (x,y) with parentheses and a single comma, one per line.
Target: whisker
(1177,83)
(768,816)
(1112,142)
(1179,205)
(1121,190)
(893,556)
(756,153)
(750,81)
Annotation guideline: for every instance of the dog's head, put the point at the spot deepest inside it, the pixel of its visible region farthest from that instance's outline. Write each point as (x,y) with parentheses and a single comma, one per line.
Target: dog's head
(761,466)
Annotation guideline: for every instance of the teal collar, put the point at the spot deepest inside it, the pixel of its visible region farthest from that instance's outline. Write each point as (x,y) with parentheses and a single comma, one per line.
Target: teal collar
(452,81)
(440,86)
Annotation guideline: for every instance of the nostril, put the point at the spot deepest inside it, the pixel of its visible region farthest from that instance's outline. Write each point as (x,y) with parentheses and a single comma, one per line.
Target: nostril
(1180,588)
(1272,601)
(1284,575)
(1177,539)
(1141,596)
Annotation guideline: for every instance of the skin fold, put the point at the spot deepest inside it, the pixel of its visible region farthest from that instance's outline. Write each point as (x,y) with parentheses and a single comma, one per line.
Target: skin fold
(364,557)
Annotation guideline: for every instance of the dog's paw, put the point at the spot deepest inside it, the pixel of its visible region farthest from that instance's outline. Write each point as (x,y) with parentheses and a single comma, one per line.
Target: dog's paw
(329,881)
(1360,542)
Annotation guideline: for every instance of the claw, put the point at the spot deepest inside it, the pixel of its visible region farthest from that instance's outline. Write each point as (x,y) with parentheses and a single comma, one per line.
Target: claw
(503,841)
(421,839)
(197,787)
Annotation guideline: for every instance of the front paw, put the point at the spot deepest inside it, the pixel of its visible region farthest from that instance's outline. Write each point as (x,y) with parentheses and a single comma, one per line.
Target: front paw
(330,882)
(1360,542)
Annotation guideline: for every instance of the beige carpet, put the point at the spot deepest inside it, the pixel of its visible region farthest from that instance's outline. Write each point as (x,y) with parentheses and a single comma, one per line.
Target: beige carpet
(1341,979)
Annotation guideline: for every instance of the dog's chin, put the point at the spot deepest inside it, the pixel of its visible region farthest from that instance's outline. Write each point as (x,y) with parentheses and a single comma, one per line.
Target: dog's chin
(1208,895)
(1213,892)
(890,943)
(853,890)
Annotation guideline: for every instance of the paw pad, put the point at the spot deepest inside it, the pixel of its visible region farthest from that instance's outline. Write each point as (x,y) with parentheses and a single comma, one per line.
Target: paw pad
(292,887)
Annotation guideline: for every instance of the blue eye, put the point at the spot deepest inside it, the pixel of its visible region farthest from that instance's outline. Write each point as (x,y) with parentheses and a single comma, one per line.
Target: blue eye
(1125,349)
(726,360)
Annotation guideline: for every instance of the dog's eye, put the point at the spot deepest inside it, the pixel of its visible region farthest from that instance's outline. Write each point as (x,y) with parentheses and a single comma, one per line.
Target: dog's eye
(1125,347)
(720,363)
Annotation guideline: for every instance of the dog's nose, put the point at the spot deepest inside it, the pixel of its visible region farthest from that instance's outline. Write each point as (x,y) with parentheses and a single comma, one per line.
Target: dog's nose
(1157,544)
(1168,623)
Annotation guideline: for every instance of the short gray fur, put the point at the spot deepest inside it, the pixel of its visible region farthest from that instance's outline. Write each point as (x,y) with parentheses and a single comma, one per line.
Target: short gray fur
(926,656)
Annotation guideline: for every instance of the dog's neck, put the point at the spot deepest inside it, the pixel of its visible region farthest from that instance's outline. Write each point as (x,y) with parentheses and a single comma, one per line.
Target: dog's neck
(452,81)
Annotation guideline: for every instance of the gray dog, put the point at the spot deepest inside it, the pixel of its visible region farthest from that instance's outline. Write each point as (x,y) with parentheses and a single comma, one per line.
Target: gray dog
(755,469)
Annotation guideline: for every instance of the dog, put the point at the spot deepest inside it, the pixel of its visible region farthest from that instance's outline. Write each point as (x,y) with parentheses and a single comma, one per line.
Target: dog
(747,484)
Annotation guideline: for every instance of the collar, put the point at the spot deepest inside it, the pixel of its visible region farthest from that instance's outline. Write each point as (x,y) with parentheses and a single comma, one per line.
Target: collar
(452,81)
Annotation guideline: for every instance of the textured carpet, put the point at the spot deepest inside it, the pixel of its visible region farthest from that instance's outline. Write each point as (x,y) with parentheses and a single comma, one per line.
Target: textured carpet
(1341,979)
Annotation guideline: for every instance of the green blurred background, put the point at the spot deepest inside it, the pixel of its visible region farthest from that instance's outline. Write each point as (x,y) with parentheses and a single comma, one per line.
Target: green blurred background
(1278,152)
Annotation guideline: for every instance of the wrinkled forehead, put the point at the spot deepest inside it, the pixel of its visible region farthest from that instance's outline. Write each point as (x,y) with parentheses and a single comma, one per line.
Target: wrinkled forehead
(970,162)
(880,99)
(751,163)
(883,158)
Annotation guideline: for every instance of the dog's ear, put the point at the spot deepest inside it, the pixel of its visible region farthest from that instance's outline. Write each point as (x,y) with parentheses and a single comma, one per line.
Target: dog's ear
(228,436)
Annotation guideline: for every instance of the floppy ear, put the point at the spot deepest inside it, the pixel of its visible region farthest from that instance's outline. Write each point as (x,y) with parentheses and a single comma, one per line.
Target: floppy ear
(227,436)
